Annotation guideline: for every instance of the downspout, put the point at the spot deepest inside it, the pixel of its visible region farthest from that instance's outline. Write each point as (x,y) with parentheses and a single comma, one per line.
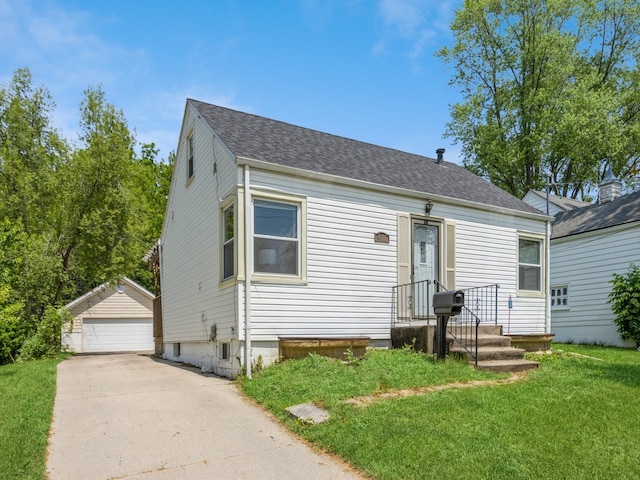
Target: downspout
(547,305)
(248,255)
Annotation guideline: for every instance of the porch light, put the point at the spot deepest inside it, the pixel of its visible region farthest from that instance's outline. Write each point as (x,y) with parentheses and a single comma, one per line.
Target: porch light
(428,206)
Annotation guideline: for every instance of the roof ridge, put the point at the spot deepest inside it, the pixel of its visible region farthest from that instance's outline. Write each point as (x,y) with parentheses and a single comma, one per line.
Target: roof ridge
(321,132)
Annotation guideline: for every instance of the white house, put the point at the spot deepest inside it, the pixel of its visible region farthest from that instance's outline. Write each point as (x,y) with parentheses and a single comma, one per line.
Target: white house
(589,245)
(111,318)
(276,231)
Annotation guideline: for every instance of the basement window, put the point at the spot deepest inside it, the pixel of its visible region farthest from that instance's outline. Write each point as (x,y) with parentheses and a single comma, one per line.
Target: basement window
(225,353)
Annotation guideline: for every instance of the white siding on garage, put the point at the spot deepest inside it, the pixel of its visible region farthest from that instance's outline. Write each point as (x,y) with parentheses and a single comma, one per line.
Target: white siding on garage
(586,263)
(134,305)
(117,335)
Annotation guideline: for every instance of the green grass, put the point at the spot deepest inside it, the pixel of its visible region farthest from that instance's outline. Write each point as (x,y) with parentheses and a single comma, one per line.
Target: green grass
(27,391)
(575,417)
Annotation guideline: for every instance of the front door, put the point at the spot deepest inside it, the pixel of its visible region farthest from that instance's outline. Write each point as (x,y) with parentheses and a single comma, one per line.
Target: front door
(425,266)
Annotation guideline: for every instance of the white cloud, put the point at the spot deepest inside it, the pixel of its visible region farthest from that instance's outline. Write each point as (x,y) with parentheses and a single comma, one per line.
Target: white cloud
(416,23)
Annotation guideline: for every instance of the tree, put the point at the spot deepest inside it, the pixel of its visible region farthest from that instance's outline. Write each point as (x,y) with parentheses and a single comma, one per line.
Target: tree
(30,153)
(92,220)
(625,303)
(549,86)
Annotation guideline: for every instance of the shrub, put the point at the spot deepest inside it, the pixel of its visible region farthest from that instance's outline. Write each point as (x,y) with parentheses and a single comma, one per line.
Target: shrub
(625,303)
(46,341)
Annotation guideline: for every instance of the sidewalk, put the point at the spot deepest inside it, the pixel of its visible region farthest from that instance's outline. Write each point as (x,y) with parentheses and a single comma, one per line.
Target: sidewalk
(129,416)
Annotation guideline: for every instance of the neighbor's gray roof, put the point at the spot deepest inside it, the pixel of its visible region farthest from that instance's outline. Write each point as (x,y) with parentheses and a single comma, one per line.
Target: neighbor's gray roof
(562,202)
(625,209)
(272,141)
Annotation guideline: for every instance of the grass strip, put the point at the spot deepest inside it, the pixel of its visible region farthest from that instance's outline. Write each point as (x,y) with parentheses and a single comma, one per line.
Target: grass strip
(27,392)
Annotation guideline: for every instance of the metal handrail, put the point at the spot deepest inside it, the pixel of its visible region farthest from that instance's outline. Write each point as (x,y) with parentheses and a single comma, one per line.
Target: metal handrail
(412,302)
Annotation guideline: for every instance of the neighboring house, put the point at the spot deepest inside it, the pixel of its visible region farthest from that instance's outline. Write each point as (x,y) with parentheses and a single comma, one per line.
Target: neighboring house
(589,245)
(111,319)
(274,231)
(556,203)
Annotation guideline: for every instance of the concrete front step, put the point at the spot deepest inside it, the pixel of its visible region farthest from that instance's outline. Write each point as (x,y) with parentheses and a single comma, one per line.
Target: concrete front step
(520,365)
(492,353)
(490,340)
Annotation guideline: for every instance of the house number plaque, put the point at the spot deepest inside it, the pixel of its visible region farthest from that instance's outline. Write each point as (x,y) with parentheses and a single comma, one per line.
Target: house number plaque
(381,237)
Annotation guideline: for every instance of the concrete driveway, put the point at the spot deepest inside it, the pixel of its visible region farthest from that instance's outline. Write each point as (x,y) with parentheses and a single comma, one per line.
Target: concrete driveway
(128,416)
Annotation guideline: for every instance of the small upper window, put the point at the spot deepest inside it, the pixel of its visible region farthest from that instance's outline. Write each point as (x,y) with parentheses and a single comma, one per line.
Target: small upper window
(228,229)
(190,144)
(530,264)
(560,297)
(276,237)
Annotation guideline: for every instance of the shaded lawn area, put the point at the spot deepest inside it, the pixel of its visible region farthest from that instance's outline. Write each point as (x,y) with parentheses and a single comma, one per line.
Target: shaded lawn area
(27,391)
(575,417)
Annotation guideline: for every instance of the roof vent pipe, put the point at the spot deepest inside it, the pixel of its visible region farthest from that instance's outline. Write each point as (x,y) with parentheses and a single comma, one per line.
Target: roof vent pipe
(440,158)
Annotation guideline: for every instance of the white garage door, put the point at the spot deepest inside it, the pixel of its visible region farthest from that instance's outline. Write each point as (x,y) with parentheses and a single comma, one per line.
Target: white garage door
(117,335)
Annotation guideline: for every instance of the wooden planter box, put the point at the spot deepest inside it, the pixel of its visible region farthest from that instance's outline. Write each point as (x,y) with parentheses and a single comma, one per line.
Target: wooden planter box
(532,342)
(328,347)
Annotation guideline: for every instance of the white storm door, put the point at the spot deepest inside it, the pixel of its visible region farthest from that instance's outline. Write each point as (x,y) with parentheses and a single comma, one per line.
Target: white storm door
(425,266)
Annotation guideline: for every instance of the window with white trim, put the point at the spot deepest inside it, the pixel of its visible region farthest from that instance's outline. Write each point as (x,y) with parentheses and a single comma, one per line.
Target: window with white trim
(190,149)
(560,297)
(276,237)
(228,245)
(529,264)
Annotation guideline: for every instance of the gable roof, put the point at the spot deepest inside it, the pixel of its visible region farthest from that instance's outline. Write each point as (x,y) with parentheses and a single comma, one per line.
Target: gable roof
(258,138)
(104,287)
(622,210)
(561,202)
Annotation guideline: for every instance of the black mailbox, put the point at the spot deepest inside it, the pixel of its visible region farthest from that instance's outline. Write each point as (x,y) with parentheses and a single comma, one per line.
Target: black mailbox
(448,303)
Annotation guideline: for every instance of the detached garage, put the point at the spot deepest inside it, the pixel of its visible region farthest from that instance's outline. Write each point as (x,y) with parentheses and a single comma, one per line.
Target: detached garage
(111,319)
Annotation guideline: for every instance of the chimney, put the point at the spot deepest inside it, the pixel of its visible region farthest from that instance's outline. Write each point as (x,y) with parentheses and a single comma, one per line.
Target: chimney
(440,158)
(609,188)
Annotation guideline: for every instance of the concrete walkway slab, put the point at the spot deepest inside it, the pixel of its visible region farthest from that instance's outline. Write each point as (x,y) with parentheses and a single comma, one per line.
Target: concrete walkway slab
(128,416)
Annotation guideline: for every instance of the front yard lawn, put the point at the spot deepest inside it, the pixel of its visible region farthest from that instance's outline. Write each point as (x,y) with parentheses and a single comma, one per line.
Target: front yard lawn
(27,391)
(575,417)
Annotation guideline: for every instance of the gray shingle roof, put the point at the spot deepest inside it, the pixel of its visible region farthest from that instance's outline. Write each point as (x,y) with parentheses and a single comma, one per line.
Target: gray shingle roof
(272,141)
(625,209)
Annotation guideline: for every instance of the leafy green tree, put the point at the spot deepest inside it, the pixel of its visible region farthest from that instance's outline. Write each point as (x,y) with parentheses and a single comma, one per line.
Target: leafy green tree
(625,303)
(94,212)
(549,86)
(31,151)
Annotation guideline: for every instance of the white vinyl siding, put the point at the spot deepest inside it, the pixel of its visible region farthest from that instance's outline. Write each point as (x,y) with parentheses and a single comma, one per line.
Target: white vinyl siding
(192,297)
(487,254)
(349,282)
(587,263)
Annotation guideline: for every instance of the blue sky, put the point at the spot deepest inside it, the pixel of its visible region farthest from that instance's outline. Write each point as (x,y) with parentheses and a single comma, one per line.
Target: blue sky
(362,69)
